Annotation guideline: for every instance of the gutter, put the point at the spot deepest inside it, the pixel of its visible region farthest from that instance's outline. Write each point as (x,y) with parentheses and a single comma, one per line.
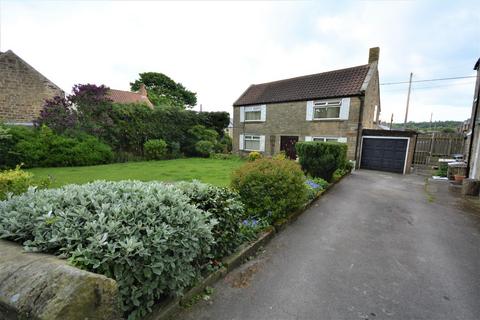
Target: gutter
(359,127)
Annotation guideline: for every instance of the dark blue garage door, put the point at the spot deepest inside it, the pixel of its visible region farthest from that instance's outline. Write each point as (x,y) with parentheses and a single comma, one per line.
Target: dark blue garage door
(384,154)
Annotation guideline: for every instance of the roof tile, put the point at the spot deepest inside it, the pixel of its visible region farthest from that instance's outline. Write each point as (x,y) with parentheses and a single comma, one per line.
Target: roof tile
(120,96)
(337,83)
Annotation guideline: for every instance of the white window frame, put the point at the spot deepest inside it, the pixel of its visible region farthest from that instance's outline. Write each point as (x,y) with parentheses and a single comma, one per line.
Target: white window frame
(334,103)
(261,142)
(342,115)
(386,137)
(244,110)
(324,139)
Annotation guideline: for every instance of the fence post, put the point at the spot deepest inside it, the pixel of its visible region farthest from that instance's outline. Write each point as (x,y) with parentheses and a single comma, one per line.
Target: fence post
(431,148)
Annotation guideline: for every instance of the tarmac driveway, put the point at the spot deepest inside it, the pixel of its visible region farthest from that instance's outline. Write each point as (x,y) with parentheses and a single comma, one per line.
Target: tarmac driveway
(376,246)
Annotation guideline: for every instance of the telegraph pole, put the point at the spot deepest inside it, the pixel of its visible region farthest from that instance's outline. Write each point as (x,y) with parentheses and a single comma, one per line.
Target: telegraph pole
(408,101)
(391,122)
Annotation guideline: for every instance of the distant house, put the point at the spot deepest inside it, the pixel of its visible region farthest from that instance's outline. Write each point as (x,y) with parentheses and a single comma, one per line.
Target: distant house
(474,134)
(125,97)
(23,90)
(229,129)
(331,106)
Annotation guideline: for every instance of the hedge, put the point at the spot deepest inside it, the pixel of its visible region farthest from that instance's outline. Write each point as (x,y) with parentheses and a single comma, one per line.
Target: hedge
(44,148)
(321,159)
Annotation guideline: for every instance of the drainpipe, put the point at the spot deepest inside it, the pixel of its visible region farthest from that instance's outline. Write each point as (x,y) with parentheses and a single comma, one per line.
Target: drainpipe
(359,133)
(472,135)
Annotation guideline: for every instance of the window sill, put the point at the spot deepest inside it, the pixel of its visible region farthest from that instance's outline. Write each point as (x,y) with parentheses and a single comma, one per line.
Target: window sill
(329,119)
(253,121)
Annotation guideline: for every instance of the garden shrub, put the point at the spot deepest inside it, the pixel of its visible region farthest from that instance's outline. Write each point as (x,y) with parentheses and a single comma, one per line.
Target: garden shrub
(225,207)
(321,159)
(349,166)
(270,189)
(146,236)
(174,150)
(280,156)
(155,149)
(224,145)
(44,148)
(442,170)
(16,181)
(254,155)
(204,148)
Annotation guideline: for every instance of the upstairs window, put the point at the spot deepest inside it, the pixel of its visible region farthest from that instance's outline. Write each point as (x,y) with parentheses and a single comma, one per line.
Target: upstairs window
(253,115)
(327,109)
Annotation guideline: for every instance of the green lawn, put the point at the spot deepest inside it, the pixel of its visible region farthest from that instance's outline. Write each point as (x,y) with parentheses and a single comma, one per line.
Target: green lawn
(212,171)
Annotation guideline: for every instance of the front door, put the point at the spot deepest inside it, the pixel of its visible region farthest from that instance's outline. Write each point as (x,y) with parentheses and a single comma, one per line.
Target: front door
(287,144)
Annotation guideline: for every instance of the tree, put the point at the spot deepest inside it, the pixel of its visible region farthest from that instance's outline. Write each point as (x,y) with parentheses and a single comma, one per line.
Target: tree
(162,90)
(94,109)
(218,120)
(57,114)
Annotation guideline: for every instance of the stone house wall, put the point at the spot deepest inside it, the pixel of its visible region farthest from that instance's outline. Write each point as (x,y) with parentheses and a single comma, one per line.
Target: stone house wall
(23,90)
(475,153)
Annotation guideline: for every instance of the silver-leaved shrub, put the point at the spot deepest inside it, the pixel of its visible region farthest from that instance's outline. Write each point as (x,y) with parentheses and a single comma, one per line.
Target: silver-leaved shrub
(149,237)
(225,207)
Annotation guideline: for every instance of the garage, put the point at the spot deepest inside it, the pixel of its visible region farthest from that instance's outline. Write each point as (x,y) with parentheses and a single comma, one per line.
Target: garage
(387,150)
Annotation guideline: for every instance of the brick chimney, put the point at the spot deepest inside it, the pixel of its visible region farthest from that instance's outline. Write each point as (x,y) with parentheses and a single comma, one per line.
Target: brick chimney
(142,90)
(373,55)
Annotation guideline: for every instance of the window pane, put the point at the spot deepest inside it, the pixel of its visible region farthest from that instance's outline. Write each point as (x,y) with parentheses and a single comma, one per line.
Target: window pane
(332,140)
(333,112)
(252,144)
(253,115)
(319,139)
(326,112)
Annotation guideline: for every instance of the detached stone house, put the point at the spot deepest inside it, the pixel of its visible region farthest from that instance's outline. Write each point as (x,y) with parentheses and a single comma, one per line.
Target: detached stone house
(330,106)
(23,90)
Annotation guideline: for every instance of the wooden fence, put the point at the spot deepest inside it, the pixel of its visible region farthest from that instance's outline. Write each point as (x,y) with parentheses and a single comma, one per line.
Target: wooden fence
(433,146)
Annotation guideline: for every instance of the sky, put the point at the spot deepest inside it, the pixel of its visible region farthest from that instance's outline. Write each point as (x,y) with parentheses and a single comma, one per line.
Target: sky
(217,49)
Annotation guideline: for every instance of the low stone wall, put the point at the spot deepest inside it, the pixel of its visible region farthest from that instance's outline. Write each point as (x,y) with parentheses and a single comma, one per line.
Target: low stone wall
(40,286)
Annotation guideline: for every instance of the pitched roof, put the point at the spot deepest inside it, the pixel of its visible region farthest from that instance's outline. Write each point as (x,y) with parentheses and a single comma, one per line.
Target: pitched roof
(120,96)
(11,54)
(337,83)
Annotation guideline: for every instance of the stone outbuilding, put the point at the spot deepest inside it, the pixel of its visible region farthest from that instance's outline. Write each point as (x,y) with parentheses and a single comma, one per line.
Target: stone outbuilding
(23,90)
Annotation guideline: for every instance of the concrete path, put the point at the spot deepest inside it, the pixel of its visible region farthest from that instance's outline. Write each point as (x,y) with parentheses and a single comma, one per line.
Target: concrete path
(377,246)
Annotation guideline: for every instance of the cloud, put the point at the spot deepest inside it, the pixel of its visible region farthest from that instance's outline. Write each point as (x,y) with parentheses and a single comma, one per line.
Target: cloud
(219,48)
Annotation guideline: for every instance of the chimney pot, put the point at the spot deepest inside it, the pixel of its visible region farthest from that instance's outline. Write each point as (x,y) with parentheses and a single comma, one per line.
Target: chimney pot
(142,90)
(373,54)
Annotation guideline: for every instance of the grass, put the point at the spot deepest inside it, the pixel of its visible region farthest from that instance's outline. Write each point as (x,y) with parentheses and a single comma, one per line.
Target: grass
(216,172)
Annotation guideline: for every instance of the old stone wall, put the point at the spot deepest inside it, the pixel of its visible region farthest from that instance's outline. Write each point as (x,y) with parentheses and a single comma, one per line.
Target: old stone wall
(23,90)
(39,286)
